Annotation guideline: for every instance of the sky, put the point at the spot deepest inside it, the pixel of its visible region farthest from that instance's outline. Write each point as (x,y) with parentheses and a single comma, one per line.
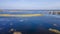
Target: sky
(29,4)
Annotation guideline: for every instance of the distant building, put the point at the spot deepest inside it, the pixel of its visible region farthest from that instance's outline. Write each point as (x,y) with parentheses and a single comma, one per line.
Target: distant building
(54,12)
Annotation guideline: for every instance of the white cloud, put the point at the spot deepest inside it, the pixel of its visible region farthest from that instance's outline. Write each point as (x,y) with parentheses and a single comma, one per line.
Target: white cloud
(29,4)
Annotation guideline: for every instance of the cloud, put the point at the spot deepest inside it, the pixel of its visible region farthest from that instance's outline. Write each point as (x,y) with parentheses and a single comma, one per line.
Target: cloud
(29,4)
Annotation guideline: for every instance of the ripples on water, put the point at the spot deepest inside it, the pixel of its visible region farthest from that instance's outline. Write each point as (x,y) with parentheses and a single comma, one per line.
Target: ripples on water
(28,25)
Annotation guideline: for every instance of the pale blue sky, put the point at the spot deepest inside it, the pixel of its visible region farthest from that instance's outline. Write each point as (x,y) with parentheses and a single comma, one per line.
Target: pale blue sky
(29,4)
